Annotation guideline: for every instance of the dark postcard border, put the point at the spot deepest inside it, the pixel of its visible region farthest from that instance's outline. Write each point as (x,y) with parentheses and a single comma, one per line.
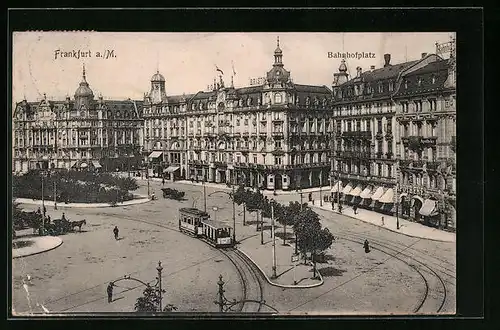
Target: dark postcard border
(470,142)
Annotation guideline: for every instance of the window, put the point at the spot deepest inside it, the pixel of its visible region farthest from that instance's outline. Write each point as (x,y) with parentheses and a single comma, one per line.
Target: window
(406,84)
(349,127)
(277,98)
(380,88)
(191,124)
(391,86)
(237,122)
(255,159)
(368,125)
(379,125)
(358,125)
(277,160)
(432,104)
(246,121)
(238,159)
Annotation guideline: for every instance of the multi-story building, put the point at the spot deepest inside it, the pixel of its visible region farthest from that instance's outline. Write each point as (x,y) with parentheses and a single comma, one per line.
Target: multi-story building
(79,133)
(273,135)
(426,137)
(389,135)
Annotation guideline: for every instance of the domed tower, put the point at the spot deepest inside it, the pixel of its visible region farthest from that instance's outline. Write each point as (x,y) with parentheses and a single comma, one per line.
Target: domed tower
(278,74)
(342,76)
(157,93)
(83,95)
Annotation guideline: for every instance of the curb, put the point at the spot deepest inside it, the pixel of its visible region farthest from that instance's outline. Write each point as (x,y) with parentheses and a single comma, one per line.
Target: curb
(389,229)
(141,200)
(41,251)
(283,285)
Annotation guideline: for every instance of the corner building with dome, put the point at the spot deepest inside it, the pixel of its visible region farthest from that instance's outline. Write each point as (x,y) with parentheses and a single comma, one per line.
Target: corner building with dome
(273,136)
(81,133)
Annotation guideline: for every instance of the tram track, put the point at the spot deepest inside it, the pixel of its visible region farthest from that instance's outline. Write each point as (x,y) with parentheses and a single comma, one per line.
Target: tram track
(400,255)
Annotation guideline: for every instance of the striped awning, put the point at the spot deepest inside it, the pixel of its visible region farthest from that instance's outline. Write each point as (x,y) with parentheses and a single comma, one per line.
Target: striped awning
(347,188)
(171,169)
(356,191)
(387,197)
(378,193)
(155,154)
(96,164)
(428,208)
(335,187)
(367,193)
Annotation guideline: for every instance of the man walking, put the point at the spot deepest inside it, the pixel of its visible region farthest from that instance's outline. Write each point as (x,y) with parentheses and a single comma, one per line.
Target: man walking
(115,231)
(110,292)
(366,246)
(163,181)
(355,209)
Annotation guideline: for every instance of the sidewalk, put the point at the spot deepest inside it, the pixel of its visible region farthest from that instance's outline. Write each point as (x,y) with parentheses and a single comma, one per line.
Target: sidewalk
(139,200)
(39,244)
(406,227)
(262,257)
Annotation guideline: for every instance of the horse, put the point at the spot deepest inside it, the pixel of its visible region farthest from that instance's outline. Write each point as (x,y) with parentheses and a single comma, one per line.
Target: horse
(78,224)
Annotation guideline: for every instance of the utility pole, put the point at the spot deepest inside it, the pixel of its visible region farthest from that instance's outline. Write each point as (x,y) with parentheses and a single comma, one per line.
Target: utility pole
(244,214)
(204,196)
(397,194)
(55,200)
(261,227)
(43,204)
(320,186)
(274,240)
(159,269)
(234,215)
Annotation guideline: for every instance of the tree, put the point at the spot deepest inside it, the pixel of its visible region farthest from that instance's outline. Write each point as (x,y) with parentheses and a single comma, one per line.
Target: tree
(311,238)
(240,197)
(150,302)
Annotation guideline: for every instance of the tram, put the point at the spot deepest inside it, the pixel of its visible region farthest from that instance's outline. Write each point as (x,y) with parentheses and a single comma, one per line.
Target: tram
(190,221)
(197,223)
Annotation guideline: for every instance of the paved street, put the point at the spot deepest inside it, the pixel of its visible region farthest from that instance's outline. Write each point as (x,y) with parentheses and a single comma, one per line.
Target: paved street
(401,274)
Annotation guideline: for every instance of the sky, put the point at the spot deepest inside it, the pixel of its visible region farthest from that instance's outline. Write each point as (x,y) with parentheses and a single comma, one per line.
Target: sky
(188,60)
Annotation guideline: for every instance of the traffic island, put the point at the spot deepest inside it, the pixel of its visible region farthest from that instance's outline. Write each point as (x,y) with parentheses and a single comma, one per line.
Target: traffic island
(289,274)
(23,247)
(138,199)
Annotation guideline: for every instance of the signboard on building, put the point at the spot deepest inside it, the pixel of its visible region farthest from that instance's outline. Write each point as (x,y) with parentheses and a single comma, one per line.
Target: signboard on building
(257,81)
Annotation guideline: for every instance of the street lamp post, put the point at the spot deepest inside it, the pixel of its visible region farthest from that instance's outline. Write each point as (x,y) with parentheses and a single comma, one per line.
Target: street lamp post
(159,269)
(274,240)
(43,204)
(261,227)
(55,200)
(204,196)
(397,194)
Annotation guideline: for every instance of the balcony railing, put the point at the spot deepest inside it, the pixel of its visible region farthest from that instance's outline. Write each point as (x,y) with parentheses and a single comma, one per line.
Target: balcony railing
(277,133)
(357,134)
(354,154)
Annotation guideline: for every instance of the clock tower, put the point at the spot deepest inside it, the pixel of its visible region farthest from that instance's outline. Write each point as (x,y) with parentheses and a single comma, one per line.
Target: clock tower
(157,93)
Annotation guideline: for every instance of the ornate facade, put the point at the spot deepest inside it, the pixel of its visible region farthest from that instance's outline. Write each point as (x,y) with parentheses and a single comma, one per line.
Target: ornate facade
(394,139)
(426,116)
(274,135)
(80,133)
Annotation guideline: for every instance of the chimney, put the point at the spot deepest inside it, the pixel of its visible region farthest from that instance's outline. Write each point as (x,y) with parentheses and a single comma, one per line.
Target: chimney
(387,60)
(359,71)
(372,68)
(424,55)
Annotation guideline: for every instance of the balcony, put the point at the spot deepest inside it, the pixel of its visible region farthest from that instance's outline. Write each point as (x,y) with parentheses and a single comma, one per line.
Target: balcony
(277,120)
(389,155)
(277,133)
(357,134)
(432,166)
(263,134)
(378,155)
(278,152)
(245,133)
(416,142)
(220,164)
(354,154)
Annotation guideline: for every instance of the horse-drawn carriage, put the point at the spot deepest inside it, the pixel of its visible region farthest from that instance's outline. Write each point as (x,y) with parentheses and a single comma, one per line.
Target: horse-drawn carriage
(63,226)
(172,193)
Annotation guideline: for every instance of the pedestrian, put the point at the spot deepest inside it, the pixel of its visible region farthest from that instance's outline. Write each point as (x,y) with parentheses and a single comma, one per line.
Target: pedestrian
(340,208)
(44,210)
(110,292)
(366,246)
(355,209)
(48,220)
(115,231)
(163,181)
(63,217)
(310,197)
(121,199)
(383,221)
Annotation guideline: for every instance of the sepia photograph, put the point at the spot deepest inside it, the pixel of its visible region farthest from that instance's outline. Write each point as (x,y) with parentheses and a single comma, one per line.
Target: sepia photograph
(276,173)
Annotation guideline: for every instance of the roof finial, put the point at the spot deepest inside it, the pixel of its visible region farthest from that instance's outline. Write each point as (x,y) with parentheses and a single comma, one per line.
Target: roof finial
(278,41)
(83,71)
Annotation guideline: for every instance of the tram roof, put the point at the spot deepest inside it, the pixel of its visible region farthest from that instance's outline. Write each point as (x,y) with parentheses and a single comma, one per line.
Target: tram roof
(193,211)
(216,224)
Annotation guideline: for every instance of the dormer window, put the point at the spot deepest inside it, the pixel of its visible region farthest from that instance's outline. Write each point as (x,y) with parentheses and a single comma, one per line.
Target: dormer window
(380,88)
(406,84)
(249,101)
(297,100)
(433,79)
(240,102)
(419,81)
(308,101)
(193,106)
(391,86)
